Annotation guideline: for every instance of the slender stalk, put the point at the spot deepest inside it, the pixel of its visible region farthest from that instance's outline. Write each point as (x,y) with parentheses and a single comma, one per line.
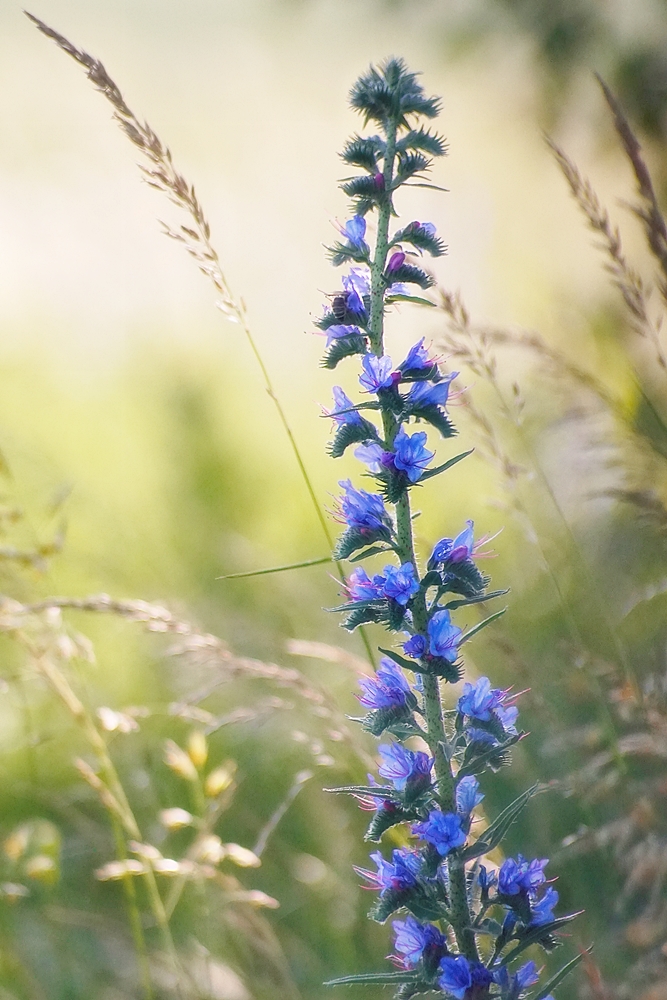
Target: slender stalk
(123,813)
(435,734)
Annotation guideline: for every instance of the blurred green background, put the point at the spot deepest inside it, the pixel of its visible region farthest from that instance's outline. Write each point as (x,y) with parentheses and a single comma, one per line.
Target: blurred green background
(134,423)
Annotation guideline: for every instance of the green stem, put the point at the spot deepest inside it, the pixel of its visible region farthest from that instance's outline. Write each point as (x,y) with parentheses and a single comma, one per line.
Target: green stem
(435,736)
(268,385)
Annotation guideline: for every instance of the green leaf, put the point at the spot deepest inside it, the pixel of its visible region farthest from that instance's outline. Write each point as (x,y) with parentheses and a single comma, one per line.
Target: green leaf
(560,976)
(433,415)
(375,550)
(401,660)
(480,625)
(536,933)
(417,299)
(424,140)
(344,347)
(479,761)
(352,433)
(453,605)
(497,830)
(412,275)
(276,569)
(447,465)
(377,791)
(373,977)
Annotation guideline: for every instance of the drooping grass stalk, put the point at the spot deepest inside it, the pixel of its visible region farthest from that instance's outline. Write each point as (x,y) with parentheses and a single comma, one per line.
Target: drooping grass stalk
(162,175)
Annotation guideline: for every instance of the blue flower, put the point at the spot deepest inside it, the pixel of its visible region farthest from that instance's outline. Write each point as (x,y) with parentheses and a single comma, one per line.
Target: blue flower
(344,412)
(371,455)
(358,281)
(540,912)
(415,646)
(388,688)
(360,587)
(459,975)
(454,550)
(521,875)
(362,510)
(399,874)
(417,358)
(444,636)
(486,879)
(400,583)
(401,765)
(455,976)
(378,373)
(442,830)
(410,455)
(512,985)
(527,975)
(480,700)
(355,230)
(340,330)
(430,393)
(414,938)
(468,795)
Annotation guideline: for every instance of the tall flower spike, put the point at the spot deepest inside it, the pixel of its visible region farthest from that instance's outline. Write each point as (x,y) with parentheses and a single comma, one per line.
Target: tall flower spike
(436,793)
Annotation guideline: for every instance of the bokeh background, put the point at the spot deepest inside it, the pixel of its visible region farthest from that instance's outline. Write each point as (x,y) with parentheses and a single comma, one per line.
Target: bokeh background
(144,459)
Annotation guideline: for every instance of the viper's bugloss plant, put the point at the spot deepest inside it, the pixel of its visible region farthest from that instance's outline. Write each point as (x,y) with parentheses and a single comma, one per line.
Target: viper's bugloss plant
(465,926)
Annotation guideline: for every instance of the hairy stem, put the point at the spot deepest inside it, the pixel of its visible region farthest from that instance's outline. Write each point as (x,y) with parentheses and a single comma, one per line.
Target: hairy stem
(435,736)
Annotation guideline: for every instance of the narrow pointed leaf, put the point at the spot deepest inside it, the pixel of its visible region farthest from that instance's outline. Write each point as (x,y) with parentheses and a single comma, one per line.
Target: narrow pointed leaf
(401,660)
(378,791)
(560,976)
(497,830)
(480,625)
(276,569)
(375,550)
(447,465)
(453,605)
(373,977)
(537,933)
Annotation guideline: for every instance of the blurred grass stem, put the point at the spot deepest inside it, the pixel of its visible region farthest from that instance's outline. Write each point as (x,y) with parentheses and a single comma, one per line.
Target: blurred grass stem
(162,175)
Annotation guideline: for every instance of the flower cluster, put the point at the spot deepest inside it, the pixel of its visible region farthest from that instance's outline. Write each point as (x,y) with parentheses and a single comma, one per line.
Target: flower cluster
(464,925)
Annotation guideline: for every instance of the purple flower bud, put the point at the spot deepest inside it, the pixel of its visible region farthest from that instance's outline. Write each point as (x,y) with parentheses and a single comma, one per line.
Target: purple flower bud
(395,261)
(415,646)
(444,636)
(378,180)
